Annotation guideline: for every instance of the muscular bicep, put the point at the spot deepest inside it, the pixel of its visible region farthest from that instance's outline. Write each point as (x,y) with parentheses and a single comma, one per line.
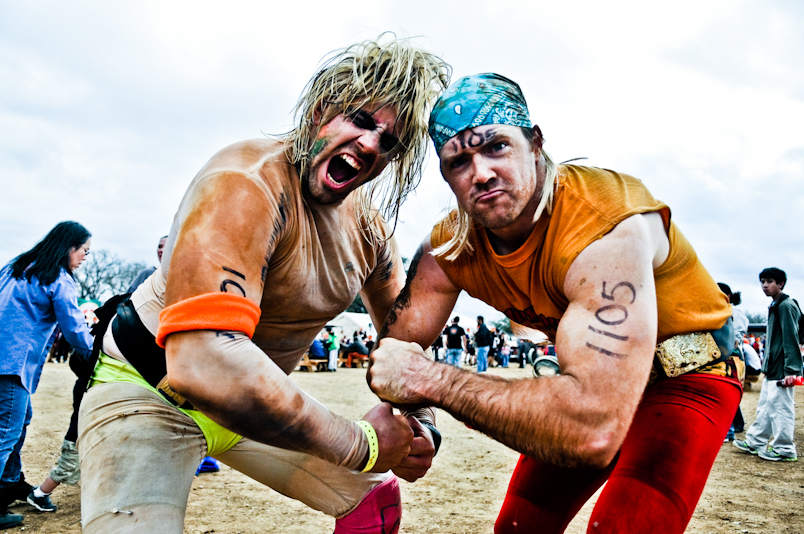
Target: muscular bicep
(606,338)
(423,307)
(227,229)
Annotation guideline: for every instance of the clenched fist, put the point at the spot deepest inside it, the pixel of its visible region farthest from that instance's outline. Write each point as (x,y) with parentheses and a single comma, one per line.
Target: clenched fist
(394,435)
(398,372)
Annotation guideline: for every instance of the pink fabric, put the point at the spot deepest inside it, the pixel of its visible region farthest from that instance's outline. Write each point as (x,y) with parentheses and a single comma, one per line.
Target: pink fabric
(379,513)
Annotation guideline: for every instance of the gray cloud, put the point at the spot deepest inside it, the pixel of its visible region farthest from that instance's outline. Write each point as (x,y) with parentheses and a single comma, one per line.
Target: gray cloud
(108,110)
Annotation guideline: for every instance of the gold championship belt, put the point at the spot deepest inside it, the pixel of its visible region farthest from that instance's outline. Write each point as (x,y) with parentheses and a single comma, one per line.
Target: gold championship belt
(686,352)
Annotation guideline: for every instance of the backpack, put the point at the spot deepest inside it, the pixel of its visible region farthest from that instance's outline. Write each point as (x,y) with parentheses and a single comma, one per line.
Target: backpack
(800,323)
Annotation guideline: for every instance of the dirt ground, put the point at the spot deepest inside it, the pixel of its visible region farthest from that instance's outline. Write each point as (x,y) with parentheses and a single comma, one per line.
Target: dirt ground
(462,493)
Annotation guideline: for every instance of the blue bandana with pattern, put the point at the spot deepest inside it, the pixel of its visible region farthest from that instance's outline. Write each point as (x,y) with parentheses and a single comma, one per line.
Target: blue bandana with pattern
(474,101)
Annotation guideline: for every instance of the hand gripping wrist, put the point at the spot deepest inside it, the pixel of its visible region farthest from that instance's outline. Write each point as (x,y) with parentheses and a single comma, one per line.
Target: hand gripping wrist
(374,444)
(426,417)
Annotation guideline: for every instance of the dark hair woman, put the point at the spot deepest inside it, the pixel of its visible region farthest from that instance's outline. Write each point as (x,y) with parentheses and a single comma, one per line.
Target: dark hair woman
(37,291)
(64,247)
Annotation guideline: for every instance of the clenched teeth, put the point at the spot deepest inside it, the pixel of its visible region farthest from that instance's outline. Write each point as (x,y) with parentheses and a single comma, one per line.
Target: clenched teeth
(353,163)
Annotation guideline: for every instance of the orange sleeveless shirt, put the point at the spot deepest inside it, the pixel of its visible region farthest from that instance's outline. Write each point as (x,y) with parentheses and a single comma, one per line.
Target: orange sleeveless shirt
(528,284)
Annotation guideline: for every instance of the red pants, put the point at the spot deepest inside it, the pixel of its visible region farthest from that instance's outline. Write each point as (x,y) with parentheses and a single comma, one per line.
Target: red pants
(655,482)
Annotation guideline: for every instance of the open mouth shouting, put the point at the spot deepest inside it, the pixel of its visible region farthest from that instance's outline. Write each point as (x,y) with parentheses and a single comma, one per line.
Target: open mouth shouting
(347,153)
(342,168)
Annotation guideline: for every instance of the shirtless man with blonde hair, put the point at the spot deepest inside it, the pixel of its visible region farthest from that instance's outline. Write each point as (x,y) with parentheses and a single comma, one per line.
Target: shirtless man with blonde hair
(272,239)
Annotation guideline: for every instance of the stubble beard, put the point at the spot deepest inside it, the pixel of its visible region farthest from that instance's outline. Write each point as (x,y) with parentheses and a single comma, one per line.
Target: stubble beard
(309,180)
(496,217)
(493,221)
(313,189)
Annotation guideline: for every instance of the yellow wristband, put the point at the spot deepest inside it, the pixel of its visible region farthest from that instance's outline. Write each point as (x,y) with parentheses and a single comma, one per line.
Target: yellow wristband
(374,444)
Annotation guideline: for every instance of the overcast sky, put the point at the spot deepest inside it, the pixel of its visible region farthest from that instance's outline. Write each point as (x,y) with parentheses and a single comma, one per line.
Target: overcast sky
(108,109)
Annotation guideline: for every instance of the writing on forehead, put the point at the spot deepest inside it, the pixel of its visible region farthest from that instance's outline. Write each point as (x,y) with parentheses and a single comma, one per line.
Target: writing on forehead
(471,138)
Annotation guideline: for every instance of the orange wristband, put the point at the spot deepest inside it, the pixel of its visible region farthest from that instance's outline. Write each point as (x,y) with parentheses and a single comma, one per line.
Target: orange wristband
(212,311)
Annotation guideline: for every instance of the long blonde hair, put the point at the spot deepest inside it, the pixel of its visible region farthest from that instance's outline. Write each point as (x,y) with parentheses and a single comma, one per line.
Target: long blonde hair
(367,74)
(458,223)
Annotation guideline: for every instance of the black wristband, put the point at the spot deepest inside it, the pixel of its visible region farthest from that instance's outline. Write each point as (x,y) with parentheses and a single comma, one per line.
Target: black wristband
(436,435)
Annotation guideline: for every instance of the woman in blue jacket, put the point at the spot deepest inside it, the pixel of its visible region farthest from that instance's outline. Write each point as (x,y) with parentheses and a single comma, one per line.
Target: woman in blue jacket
(37,292)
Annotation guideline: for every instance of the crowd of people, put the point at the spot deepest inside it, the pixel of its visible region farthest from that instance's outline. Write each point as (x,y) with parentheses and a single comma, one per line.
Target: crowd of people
(483,348)
(346,352)
(275,237)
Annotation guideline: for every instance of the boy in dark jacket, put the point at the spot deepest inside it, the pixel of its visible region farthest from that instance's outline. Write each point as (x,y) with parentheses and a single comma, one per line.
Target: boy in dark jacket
(776,410)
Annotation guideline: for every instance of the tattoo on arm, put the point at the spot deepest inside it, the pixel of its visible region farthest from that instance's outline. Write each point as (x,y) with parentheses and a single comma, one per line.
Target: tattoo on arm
(403,300)
(229,270)
(614,319)
(626,285)
(601,350)
(609,334)
(229,334)
(279,226)
(612,315)
(385,263)
(229,282)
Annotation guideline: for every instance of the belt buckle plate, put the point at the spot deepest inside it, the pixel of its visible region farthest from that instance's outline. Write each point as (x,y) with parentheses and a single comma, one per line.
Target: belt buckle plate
(685,352)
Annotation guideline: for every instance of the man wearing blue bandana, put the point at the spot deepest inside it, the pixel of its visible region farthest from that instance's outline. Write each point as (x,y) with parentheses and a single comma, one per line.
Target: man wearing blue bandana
(647,387)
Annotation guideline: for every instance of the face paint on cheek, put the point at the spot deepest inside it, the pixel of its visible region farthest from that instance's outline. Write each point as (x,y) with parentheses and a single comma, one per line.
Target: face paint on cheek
(318,147)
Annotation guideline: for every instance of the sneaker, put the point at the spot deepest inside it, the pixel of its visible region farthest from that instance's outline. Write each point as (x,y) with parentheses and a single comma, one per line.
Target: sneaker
(774,456)
(9,520)
(745,447)
(42,503)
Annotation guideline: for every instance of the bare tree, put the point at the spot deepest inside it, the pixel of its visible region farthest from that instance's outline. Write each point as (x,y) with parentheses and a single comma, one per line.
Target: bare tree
(357,306)
(104,274)
(504,325)
(759,318)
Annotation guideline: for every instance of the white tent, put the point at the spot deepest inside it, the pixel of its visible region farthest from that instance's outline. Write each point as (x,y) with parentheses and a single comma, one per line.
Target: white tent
(350,322)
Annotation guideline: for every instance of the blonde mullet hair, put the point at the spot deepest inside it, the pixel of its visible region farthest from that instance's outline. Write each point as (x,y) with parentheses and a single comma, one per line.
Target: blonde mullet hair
(374,73)
(458,223)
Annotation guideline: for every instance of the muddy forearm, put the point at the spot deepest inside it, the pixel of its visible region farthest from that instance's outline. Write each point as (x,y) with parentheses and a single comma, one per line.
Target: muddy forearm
(232,381)
(534,417)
